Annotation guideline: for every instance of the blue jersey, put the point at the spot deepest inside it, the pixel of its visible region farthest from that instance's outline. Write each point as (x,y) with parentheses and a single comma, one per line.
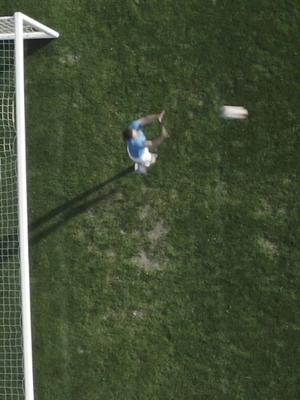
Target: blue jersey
(137,146)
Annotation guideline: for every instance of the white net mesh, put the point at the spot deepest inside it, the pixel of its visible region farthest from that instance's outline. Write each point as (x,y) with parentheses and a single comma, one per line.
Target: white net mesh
(11,354)
(7,27)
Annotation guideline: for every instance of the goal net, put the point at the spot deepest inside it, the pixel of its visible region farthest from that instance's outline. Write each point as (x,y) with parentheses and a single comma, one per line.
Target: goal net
(15,321)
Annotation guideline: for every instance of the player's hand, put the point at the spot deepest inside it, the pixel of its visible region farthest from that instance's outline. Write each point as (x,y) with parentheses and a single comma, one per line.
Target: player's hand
(164,132)
(161,116)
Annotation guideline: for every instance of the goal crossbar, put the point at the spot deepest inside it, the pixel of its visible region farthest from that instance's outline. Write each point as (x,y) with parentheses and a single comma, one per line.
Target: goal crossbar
(32,29)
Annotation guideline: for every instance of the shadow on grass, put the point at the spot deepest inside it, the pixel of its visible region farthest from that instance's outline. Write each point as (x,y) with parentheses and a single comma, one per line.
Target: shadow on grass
(60,215)
(32,46)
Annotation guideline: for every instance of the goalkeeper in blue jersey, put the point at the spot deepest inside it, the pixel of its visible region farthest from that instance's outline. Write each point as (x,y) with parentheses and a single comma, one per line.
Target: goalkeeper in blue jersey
(137,144)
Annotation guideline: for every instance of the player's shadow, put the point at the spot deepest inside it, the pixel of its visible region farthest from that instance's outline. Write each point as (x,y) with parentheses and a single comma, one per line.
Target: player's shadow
(60,215)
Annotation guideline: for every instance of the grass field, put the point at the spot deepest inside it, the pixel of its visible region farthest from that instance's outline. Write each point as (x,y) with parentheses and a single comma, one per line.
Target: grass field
(183,284)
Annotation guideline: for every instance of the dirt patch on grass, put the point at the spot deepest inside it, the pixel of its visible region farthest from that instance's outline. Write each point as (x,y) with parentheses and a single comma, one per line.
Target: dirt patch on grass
(267,247)
(152,257)
(144,261)
(157,233)
(69,59)
(144,213)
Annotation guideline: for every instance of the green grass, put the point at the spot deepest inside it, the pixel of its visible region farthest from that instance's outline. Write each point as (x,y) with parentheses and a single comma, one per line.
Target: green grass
(183,284)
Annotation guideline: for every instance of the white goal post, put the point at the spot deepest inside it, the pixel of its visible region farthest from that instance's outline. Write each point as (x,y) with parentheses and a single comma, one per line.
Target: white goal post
(16,372)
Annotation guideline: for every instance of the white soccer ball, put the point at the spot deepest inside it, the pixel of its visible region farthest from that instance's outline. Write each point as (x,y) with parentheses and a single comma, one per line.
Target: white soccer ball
(233,112)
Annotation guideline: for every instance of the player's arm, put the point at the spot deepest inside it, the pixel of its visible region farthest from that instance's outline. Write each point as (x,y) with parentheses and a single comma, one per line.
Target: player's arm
(153,144)
(150,119)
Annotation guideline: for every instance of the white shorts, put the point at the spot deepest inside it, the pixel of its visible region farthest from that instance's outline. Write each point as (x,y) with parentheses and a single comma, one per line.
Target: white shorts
(146,159)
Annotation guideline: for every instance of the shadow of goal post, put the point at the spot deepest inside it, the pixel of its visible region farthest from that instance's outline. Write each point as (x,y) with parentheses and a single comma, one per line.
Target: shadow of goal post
(13,31)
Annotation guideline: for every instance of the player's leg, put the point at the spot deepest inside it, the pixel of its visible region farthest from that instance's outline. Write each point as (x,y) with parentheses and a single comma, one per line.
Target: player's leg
(158,141)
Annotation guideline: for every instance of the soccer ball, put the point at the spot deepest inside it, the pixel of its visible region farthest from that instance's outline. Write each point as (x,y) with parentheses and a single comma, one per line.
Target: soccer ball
(233,112)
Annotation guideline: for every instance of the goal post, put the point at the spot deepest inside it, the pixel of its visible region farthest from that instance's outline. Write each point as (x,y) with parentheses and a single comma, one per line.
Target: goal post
(16,369)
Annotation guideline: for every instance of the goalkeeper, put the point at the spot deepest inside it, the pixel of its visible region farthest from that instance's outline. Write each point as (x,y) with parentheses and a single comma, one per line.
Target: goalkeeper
(137,144)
